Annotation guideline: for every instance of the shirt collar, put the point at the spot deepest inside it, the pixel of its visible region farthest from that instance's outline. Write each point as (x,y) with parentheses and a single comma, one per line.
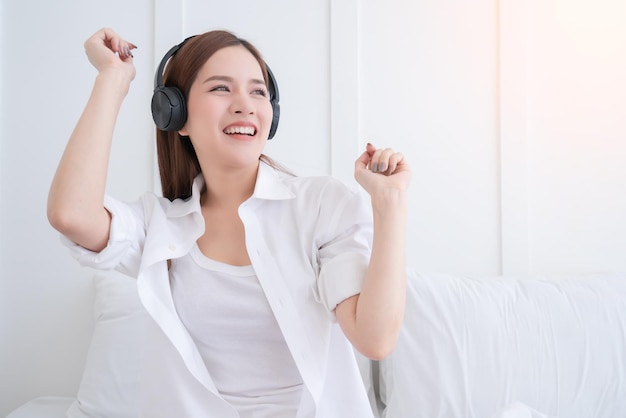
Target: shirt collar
(270,185)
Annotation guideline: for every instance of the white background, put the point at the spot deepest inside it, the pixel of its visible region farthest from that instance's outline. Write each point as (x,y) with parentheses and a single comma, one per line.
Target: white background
(511,114)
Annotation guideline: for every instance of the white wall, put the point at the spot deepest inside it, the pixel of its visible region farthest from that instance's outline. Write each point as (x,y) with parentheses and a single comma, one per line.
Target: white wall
(511,114)
(576,139)
(45,299)
(428,87)
(563,103)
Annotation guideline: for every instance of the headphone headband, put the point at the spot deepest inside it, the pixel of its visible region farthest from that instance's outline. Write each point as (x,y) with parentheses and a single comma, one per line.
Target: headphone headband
(158,76)
(169,108)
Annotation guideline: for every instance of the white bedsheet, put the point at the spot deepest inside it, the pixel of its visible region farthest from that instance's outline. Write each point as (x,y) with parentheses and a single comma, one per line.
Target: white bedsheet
(43,407)
(520,410)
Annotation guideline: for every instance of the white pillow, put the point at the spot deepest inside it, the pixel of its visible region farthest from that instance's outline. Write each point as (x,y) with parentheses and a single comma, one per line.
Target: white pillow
(110,382)
(469,347)
(43,407)
(519,410)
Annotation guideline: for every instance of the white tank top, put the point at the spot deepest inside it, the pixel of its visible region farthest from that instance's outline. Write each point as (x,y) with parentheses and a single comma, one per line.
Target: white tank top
(226,313)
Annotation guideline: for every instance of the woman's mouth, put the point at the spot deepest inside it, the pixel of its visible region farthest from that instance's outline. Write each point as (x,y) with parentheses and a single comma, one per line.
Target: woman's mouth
(240,130)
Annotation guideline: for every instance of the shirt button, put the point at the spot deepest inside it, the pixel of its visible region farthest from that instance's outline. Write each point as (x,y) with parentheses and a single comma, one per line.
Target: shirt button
(171,247)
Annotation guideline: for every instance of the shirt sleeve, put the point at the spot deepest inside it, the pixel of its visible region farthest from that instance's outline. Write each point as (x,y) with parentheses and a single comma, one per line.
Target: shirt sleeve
(126,238)
(344,252)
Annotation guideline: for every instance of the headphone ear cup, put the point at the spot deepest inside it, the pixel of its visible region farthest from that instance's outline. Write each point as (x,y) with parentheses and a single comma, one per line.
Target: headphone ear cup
(169,110)
(275,118)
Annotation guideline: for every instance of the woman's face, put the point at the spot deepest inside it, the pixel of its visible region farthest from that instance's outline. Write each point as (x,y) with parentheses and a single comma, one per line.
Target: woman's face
(229,113)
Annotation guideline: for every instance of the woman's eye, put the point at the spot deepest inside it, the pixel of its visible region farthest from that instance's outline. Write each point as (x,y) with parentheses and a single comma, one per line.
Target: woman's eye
(260,92)
(220,88)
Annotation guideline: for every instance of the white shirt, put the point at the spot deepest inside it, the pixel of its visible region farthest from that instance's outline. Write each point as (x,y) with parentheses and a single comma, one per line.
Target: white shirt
(309,241)
(227,315)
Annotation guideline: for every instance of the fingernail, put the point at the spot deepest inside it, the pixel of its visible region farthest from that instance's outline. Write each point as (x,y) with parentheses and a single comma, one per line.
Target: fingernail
(383,168)
(374,168)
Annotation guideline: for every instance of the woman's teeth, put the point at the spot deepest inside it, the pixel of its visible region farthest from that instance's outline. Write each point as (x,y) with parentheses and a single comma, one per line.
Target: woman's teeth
(245,130)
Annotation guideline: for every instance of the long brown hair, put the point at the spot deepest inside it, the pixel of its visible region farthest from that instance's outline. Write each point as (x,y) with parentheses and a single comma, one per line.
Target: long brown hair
(178,162)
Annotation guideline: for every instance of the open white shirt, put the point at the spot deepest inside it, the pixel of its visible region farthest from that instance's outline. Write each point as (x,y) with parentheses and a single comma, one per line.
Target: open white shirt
(309,241)
(227,315)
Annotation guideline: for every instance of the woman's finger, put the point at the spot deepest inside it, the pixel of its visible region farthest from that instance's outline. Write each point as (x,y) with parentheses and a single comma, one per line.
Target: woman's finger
(104,47)
(380,160)
(363,161)
(394,160)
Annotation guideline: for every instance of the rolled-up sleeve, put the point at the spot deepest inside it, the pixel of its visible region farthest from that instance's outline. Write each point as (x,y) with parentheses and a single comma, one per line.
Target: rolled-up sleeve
(126,238)
(345,251)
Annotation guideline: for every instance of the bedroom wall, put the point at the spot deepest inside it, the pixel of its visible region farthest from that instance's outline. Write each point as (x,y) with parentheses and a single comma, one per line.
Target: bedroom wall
(511,114)
(428,85)
(576,135)
(45,297)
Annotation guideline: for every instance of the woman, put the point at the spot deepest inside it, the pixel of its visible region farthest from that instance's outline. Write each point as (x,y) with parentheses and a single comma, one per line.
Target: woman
(258,281)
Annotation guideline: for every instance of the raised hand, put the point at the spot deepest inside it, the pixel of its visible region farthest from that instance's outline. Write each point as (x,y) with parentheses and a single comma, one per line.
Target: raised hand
(381,170)
(107,51)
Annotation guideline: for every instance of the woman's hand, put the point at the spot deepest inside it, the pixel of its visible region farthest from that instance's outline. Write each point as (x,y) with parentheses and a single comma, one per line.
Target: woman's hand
(380,171)
(107,51)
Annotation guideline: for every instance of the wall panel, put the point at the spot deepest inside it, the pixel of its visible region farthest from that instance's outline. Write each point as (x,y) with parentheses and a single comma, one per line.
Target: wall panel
(576,108)
(428,87)
(45,302)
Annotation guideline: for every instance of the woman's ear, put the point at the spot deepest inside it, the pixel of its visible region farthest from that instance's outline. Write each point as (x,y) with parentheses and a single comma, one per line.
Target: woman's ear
(183,131)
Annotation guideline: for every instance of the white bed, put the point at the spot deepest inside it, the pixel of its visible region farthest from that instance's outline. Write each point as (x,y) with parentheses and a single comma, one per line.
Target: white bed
(470,348)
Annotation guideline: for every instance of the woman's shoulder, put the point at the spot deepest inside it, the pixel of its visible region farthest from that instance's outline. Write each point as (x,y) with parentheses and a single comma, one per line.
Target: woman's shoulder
(328,196)
(323,185)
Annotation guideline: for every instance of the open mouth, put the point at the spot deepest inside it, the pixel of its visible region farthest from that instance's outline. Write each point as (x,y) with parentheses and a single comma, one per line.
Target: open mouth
(240,130)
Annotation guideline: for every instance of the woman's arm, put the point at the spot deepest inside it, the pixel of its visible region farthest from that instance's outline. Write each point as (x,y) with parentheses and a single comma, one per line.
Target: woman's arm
(372,319)
(75,199)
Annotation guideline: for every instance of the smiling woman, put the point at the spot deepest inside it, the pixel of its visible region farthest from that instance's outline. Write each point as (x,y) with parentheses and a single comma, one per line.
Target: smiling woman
(235,106)
(257,283)
(203,87)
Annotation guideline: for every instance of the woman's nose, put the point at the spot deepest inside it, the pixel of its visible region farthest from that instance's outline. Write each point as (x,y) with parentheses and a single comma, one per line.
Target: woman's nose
(242,104)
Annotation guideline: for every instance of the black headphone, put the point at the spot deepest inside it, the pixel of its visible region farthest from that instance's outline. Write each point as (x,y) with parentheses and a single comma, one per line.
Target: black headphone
(169,109)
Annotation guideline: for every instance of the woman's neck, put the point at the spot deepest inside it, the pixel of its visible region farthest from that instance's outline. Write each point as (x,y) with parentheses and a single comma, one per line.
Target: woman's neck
(228,188)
